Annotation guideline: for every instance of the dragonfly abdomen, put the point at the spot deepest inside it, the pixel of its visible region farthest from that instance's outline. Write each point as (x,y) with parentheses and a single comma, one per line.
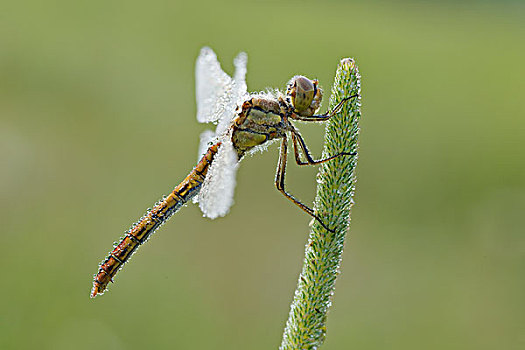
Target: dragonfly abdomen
(152,220)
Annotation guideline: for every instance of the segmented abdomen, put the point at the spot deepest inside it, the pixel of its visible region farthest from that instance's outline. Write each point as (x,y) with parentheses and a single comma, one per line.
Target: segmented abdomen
(152,220)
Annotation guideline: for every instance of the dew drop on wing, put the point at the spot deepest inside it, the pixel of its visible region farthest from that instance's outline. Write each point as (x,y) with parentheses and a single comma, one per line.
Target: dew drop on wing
(216,196)
(211,83)
(206,138)
(228,102)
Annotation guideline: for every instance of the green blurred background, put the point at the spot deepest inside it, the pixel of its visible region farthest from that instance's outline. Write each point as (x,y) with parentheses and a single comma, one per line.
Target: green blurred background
(97,122)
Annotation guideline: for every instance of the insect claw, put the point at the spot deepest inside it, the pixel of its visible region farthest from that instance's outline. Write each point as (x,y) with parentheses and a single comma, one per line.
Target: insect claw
(325,226)
(348,153)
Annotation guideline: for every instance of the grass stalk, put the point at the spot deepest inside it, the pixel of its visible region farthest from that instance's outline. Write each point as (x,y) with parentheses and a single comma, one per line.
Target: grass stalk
(306,325)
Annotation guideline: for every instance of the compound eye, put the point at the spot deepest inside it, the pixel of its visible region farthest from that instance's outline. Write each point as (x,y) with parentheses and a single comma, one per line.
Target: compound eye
(302,93)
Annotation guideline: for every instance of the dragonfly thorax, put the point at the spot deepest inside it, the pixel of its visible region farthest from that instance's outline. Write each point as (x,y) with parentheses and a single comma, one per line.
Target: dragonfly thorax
(260,119)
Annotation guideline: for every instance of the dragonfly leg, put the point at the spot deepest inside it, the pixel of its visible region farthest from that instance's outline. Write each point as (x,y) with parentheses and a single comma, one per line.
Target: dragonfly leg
(298,141)
(327,115)
(279,183)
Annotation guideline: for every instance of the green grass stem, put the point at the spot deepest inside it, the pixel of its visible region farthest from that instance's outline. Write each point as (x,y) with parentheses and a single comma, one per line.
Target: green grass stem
(306,325)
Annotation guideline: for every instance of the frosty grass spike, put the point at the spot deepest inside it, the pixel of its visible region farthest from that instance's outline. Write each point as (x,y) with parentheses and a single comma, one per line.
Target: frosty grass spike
(245,122)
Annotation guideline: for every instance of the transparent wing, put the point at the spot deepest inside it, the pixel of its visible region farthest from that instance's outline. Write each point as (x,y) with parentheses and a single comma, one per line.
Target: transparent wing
(216,195)
(211,85)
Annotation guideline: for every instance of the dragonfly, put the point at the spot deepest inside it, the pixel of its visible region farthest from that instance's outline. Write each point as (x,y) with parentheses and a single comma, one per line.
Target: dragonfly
(246,122)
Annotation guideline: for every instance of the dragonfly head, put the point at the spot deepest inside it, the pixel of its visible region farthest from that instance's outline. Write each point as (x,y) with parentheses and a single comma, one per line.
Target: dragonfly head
(304,94)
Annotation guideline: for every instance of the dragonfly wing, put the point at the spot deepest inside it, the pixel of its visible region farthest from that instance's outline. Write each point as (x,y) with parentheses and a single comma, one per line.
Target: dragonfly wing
(239,77)
(218,96)
(216,195)
(207,136)
(206,139)
(211,84)
(228,102)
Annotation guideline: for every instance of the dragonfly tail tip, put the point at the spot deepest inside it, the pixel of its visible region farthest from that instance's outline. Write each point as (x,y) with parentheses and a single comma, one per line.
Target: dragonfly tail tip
(94,292)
